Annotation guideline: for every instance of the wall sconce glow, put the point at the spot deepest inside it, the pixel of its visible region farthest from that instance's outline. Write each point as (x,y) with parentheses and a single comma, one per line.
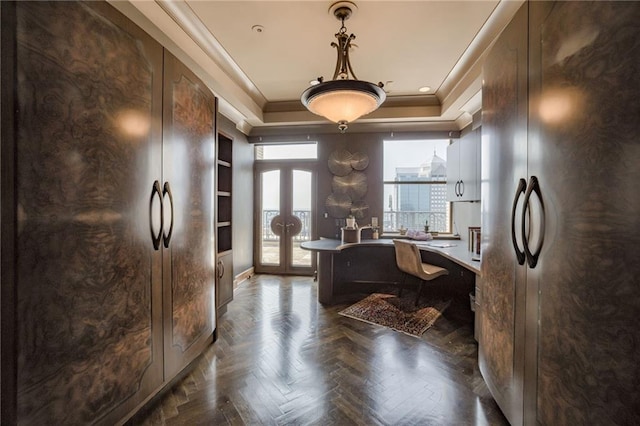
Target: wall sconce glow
(343,100)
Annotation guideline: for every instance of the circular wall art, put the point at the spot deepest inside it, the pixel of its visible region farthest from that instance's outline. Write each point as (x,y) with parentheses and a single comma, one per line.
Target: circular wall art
(354,185)
(338,205)
(359,160)
(340,162)
(349,184)
(359,209)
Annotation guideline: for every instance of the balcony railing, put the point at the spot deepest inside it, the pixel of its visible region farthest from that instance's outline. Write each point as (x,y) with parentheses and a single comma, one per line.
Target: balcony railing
(394,220)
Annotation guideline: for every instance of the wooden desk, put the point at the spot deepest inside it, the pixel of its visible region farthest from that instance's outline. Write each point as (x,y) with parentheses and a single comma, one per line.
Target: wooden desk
(347,269)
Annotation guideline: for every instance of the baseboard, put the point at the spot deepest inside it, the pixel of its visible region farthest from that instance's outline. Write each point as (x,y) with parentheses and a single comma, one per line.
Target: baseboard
(242,276)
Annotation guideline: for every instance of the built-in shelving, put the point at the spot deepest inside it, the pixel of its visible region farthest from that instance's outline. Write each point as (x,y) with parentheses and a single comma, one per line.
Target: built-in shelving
(224,217)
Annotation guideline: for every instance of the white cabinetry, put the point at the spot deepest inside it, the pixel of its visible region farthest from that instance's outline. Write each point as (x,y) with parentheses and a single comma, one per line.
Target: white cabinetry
(463,168)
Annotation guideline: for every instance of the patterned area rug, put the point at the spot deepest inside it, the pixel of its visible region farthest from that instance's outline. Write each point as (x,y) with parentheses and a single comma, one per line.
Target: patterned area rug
(399,314)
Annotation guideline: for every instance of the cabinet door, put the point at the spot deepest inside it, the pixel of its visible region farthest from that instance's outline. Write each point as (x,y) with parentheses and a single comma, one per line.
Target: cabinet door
(453,171)
(469,172)
(504,147)
(584,137)
(189,251)
(88,280)
(225,278)
(463,168)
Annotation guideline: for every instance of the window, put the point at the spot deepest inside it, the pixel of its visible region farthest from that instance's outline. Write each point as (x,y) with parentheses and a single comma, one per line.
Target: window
(300,151)
(415,185)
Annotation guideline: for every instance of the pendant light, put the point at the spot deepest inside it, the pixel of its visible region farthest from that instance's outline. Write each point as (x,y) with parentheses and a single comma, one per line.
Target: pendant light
(343,99)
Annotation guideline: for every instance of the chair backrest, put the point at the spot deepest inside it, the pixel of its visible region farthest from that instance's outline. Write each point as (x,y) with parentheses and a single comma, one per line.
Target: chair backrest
(408,257)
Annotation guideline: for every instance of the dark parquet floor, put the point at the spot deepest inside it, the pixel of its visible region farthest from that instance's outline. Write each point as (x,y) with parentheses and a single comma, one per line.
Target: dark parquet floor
(281,358)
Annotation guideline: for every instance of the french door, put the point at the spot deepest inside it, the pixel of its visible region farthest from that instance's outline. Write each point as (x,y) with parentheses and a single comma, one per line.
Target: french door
(284,217)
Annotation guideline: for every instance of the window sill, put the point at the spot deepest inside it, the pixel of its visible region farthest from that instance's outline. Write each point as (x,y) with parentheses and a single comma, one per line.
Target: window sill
(396,235)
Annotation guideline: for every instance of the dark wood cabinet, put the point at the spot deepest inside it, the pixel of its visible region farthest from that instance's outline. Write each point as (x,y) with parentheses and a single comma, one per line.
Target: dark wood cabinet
(559,342)
(103,301)
(188,173)
(501,349)
(224,236)
(225,278)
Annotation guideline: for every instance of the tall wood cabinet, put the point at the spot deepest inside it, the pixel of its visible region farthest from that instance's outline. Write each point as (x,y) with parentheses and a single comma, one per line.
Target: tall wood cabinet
(224,253)
(107,214)
(559,342)
(188,245)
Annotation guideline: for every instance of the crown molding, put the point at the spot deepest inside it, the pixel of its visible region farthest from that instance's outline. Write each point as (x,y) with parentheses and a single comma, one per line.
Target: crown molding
(176,26)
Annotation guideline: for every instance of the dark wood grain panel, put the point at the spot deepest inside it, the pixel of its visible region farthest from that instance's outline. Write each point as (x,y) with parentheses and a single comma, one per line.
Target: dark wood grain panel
(87,276)
(189,261)
(504,144)
(589,151)
(193,120)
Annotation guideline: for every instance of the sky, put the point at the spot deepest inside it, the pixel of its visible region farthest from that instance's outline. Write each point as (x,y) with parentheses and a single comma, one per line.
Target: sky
(411,154)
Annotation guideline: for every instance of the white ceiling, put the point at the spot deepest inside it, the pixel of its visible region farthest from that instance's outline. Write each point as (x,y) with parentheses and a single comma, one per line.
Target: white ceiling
(259,76)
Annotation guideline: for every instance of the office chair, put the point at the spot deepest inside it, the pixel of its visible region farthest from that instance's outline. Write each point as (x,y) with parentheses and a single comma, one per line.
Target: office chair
(410,262)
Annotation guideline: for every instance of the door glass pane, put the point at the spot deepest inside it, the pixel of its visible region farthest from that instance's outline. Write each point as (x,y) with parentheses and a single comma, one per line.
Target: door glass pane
(272,225)
(288,151)
(300,225)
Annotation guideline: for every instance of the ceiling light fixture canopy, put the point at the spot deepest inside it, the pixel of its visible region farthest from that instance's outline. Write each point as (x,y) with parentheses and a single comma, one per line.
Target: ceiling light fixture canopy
(343,100)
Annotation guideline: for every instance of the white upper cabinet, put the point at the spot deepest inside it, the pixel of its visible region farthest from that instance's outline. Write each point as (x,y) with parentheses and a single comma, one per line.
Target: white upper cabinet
(463,168)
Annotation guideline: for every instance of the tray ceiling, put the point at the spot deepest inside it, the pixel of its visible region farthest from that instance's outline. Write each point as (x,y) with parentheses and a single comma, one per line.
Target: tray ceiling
(260,74)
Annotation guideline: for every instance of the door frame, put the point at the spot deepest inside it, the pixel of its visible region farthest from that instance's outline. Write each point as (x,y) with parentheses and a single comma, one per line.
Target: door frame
(286,168)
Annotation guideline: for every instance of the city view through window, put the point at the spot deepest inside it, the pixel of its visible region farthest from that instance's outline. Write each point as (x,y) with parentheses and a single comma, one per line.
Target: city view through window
(415,185)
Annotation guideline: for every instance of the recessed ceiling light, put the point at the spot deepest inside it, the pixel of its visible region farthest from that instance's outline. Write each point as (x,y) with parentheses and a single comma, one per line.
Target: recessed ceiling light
(424,89)
(257,29)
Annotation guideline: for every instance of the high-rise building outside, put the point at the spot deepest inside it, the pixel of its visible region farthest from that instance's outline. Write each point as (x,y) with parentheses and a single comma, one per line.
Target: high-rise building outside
(419,204)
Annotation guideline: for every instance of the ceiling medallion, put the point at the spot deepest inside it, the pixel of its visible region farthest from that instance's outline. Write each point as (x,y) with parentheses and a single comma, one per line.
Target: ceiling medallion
(343,99)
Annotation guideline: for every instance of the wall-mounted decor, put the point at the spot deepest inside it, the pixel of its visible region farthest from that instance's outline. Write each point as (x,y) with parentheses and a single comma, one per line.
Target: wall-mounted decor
(354,185)
(349,184)
(359,161)
(340,162)
(338,205)
(359,209)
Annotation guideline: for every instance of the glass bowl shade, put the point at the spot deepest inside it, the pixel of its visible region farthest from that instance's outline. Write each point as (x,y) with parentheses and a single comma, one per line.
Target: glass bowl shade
(343,100)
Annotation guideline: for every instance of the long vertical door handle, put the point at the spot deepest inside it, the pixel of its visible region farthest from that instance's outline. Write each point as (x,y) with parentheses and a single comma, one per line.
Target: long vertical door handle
(522,185)
(461,188)
(456,188)
(156,239)
(532,258)
(167,237)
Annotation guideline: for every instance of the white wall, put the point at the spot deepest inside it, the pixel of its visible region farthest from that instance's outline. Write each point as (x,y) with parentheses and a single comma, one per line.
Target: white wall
(465,215)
